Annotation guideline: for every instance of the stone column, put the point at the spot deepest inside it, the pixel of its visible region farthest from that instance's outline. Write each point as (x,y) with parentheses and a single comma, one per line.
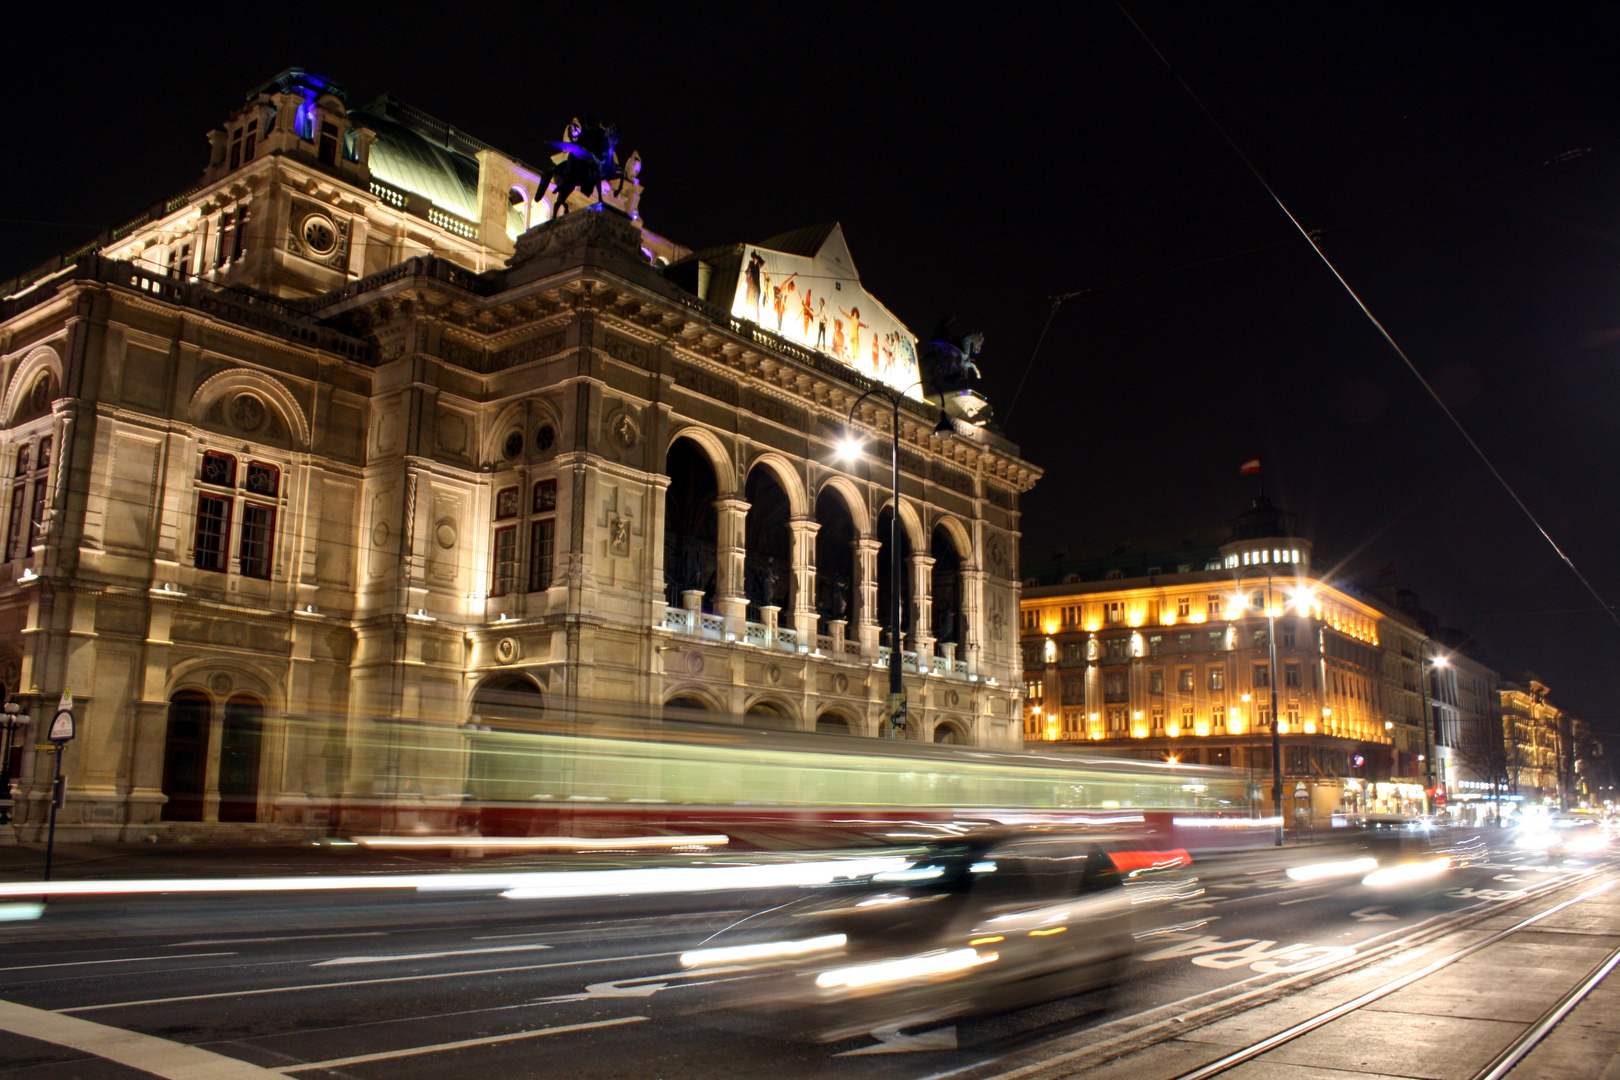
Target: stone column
(922,628)
(868,619)
(731,599)
(216,734)
(804,579)
(836,628)
(972,631)
(769,614)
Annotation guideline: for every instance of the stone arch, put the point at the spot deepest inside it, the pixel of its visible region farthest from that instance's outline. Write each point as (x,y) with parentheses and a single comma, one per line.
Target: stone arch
(838,569)
(686,702)
(227,384)
(768,540)
(202,675)
(691,524)
(185,754)
(946,589)
(836,722)
(41,358)
(790,481)
(952,526)
(853,499)
(909,520)
(725,471)
(771,711)
(510,699)
(952,732)
(525,417)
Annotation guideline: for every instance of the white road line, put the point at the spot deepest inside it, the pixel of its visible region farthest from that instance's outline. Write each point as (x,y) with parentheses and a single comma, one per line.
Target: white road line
(338,1063)
(293,937)
(361,982)
(125,960)
(566,933)
(159,1057)
(1301,900)
(426,955)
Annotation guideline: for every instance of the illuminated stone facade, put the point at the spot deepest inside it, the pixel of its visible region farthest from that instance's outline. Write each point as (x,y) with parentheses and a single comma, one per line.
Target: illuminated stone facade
(338,438)
(1171,658)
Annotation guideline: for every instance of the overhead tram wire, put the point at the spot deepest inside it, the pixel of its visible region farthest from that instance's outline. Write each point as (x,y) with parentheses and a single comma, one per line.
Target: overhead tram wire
(1311,239)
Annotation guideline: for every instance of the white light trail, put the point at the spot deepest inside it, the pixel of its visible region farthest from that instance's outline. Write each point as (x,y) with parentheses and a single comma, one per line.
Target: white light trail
(1313,871)
(763,951)
(909,967)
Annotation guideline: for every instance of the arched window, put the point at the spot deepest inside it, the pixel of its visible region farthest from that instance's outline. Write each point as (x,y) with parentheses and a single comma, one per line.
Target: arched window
(949,733)
(508,702)
(832,724)
(691,523)
(769,715)
(769,542)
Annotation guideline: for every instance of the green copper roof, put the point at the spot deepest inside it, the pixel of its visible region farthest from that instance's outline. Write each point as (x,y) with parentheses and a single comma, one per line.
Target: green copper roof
(405,159)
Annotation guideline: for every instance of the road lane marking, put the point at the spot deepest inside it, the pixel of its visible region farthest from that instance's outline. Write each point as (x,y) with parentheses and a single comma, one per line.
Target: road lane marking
(293,937)
(361,982)
(1301,900)
(398,957)
(387,1055)
(148,1053)
(125,960)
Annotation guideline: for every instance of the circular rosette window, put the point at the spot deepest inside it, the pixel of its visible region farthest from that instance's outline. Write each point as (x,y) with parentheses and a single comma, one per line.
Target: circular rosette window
(320,235)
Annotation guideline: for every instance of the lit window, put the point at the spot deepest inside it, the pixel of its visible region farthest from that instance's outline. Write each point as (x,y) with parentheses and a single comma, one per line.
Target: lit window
(1262,675)
(1217,678)
(506,503)
(545,496)
(258,539)
(542,551)
(1156,681)
(1184,680)
(505,561)
(213,526)
(1184,606)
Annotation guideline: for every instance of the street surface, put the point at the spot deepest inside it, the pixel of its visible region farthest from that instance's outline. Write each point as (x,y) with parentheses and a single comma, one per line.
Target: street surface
(443,985)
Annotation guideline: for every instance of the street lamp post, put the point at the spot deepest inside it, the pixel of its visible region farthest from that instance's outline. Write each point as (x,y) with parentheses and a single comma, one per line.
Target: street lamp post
(849,450)
(1271,678)
(12,720)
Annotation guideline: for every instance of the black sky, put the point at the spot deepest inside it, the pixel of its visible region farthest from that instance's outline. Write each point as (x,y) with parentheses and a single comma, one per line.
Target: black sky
(981,164)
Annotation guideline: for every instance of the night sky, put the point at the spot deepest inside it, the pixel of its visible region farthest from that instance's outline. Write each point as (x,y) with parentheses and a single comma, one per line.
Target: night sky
(982,165)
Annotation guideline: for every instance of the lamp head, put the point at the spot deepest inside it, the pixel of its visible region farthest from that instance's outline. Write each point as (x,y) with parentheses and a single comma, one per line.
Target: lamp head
(849,448)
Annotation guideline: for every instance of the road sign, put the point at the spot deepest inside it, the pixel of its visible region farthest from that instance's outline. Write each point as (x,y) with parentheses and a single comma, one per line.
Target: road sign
(66,704)
(1299,790)
(62,727)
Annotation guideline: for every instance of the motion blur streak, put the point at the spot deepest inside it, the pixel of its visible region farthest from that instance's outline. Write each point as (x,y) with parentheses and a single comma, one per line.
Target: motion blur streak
(1312,871)
(548,843)
(1412,871)
(561,883)
(762,951)
(910,967)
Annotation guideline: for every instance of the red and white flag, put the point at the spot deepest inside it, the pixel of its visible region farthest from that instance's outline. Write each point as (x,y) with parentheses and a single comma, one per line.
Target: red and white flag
(1250,467)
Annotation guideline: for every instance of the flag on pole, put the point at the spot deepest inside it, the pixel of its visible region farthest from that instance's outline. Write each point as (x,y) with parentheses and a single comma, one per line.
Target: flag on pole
(1250,467)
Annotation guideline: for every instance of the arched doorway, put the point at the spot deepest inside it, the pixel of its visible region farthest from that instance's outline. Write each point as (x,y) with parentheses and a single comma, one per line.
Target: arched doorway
(832,724)
(907,607)
(948,733)
(768,541)
(508,702)
(691,523)
(240,738)
(185,755)
(946,587)
(687,707)
(835,558)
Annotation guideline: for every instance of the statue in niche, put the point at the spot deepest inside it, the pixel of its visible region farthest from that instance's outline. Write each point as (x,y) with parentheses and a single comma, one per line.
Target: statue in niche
(948,357)
(834,598)
(589,159)
(767,578)
(945,625)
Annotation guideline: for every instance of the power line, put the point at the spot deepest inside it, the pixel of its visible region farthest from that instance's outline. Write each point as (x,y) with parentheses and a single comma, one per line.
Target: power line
(1365,310)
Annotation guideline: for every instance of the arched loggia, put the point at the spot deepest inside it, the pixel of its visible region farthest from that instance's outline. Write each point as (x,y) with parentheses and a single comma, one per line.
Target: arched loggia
(908,611)
(835,558)
(691,523)
(769,542)
(946,588)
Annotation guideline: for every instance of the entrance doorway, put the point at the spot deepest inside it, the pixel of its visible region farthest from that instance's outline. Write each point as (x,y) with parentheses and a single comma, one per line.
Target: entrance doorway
(185,756)
(239,743)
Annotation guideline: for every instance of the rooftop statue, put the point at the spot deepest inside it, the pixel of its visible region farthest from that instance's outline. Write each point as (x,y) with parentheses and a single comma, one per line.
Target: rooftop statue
(951,356)
(588,159)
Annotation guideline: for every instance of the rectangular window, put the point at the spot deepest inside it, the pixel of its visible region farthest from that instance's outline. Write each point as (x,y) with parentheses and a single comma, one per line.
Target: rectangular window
(327,154)
(1186,720)
(1291,676)
(15,549)
(1115,610)
(264,480)
(1262,675)
(542,550)
(1156,681)
(506,503)
(1184,680)
(1155,645)
(1184,606)
(545,498)
(505,560)
(1071,652)
(219,469)
(41,478)
(1185,642)
(1114,686)
(236,148)
(1215,640)
(1158,719)
(213,526)
(1217,717)
(1217,678)
(1212,605)
(239,247)
(1115,648)
(1261,641)
(182,261)
(258,539)
(1288,637)
(223,247)
(1116,720)
(1073,689)
(247,144)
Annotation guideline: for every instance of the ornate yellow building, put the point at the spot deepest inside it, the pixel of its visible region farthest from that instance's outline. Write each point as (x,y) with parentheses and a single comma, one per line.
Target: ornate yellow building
(1172,657)
(363,429)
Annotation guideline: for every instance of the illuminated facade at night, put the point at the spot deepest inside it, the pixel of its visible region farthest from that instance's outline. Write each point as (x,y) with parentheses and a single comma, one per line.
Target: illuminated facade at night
(359,429)
(1171,658)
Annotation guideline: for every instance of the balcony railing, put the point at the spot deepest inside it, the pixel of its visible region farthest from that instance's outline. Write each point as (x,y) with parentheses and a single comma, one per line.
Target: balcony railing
(688,623)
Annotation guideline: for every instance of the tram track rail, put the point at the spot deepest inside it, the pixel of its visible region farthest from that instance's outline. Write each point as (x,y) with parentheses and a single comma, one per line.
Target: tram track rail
(1124,1036)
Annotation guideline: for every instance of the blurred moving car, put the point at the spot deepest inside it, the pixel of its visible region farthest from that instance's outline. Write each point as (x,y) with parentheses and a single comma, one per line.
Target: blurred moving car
(1398,858)
(1563,835)
(974,925)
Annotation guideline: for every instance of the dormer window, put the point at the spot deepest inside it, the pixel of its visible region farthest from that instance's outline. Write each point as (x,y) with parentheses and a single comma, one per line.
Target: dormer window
(327,154)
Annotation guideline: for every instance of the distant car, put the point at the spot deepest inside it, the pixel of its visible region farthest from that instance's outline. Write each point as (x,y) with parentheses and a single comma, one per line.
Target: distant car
(972,926)
(1563,835)
(1398,858)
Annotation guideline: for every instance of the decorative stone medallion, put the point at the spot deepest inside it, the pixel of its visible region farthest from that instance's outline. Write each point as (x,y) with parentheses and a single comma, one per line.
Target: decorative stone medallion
(506,650)
(619,535)
(623,430)
(774,673)
(379,534)
(841,683)
(220,683)
(694,663)
(247,412)
(444,533)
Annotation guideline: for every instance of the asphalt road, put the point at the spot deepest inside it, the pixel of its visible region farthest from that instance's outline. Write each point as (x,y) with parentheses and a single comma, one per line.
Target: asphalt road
(384,986)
